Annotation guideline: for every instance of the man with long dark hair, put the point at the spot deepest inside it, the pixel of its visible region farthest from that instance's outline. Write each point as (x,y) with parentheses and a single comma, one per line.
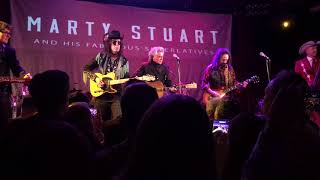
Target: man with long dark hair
(110,60)
(218,76)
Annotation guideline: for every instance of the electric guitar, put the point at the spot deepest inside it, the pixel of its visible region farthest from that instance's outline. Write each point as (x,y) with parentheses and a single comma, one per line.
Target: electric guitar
(8,79)
(158,85)
(109,80)
(209,93)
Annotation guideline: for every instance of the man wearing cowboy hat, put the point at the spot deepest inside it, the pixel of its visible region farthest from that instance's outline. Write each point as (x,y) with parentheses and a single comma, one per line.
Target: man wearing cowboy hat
(308,66)
(107,61)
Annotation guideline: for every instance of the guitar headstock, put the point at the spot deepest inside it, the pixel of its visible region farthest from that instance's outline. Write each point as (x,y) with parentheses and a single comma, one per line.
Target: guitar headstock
(147,77)
(254,79)
(191,86)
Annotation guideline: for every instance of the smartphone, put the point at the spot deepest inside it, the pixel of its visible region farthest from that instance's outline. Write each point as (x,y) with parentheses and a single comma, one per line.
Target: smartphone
(221,124)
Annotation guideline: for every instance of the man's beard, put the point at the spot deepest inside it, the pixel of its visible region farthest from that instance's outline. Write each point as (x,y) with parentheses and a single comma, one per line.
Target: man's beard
(223,66)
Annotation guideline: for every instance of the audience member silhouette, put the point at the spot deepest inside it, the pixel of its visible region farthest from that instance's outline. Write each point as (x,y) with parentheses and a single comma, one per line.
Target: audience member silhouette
(136,99)
(43,146)
(288,147)
(226,110)
(243,132)
(79,116)
(173,141)
(5,113)
(78,96)
(28,107)
(49,91)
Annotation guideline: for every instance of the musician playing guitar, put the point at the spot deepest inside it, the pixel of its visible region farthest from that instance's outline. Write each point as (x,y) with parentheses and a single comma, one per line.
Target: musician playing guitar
(218,76)
(156,68)
(9,64)
(110,60)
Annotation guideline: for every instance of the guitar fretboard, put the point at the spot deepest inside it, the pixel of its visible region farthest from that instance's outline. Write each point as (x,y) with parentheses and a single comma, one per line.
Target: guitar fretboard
(12,79)
(254,79)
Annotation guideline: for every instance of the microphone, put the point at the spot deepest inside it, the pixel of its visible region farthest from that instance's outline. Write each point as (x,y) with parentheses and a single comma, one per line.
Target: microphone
(265,56)
(176,56)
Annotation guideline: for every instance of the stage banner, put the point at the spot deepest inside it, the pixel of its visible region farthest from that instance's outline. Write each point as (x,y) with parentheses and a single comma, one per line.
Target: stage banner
(67,34)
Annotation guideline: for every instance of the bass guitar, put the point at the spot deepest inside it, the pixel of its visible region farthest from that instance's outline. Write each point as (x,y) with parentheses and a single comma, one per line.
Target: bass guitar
(109,80)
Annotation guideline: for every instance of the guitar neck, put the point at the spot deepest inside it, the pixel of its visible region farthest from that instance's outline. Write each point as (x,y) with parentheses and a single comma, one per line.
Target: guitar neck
(254,79)
(120,81)
(184,86)
(237,86)
(232,88)
(12,80)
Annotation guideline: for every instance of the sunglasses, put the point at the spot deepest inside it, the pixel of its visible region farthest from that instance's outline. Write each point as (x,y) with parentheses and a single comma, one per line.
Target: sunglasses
(116,42)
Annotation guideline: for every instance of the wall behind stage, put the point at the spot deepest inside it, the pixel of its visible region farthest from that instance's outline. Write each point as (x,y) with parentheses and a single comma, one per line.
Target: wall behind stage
(67,34)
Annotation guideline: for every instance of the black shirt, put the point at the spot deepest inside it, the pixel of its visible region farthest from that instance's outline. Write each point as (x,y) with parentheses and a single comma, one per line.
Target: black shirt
(8,62)
(215,78)
(160,71)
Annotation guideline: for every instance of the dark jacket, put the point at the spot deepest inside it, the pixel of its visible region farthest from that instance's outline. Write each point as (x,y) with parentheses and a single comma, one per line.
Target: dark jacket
(160,71)
(9,62)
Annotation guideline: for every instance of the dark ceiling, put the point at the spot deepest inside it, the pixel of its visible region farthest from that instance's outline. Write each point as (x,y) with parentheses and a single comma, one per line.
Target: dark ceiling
(245,7)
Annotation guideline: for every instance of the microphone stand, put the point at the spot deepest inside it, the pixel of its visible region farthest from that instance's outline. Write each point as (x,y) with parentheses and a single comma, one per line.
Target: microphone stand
(179,75)
(268,63)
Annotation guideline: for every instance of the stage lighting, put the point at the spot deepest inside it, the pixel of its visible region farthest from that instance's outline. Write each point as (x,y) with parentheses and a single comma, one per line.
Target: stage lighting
(285,24)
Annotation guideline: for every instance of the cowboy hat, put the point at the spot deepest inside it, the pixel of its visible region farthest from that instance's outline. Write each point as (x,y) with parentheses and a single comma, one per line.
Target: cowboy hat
(306,45)
(114,35)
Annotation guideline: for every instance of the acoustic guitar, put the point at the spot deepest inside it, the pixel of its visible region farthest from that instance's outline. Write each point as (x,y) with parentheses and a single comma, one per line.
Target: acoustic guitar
(109,80)
(220,93)
(161,89)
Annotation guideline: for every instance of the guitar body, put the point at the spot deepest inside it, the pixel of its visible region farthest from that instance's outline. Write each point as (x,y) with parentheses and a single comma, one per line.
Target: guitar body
(158,85)
(210,93)
(96,91)
(109,80)
(206,96)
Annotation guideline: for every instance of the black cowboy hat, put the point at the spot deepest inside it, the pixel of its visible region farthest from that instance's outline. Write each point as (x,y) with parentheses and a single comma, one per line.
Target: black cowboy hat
(114,34)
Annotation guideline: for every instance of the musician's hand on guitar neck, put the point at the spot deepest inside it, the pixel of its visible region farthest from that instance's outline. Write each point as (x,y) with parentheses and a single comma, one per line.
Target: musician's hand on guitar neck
(222,95)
